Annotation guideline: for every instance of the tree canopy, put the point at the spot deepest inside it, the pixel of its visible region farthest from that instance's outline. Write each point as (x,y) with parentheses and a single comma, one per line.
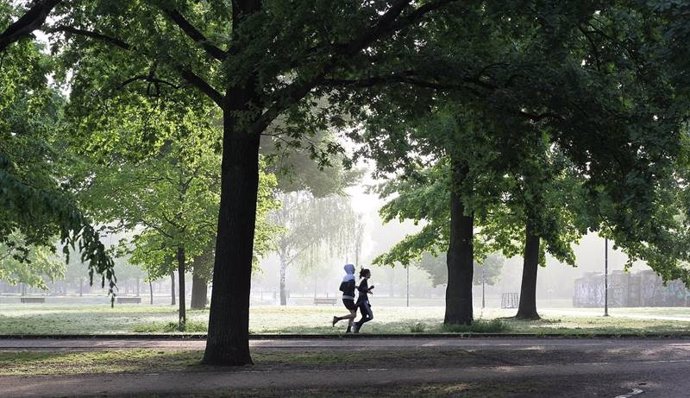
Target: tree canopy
(588,80)
(33,201)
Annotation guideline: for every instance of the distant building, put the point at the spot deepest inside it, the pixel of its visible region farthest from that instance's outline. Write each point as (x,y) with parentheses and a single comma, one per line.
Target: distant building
(641,289)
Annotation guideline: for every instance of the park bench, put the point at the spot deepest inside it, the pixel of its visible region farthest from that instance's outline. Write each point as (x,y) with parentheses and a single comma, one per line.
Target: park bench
(129,300)
(32,300)
(325,300)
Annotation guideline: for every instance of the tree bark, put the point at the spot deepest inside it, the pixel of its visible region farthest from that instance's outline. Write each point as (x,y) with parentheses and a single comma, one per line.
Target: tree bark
(527,309)
(27,23)
(460,256)
(227,342)
(228,328)
(201,270)
(180,276)
(199,291)
(172,288)
(151,291)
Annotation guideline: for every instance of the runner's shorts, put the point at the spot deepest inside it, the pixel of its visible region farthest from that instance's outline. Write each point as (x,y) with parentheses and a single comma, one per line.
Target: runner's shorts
(349,304)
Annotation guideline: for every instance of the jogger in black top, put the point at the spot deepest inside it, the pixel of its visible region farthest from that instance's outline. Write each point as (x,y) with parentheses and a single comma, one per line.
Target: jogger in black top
(363,300)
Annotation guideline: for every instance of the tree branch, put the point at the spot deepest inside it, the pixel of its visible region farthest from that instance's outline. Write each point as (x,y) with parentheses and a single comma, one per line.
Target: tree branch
(377,29)
(383,80)
(157,229)
(170,221)
(201,84)
(146,78)
(592,45)
(192,78)
(391,21)
(30,21)
(407,78)
(535,117)
(90,34)
(388,23)
(420,12)
(194,34)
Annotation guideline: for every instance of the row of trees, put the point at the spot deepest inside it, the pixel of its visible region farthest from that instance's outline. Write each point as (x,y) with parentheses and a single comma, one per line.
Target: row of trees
(531,119)
(575,123)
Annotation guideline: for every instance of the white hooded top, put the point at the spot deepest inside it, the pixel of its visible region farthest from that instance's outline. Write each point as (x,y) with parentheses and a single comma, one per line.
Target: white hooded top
(349,273)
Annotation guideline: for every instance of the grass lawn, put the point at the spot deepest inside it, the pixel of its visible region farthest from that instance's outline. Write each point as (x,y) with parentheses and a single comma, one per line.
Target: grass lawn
(127,360)
(139,364)
(153,361)
(42,319)
(52,319)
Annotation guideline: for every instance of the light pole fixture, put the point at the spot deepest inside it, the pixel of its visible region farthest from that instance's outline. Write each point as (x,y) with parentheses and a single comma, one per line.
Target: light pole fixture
(483,275)
(408,285)
(606,277)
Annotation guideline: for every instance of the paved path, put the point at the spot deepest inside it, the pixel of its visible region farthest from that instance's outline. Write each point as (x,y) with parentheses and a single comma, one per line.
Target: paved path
(555,366)
(370,343)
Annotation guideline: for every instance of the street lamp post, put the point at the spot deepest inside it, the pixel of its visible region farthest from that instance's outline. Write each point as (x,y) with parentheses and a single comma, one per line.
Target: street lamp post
(606,277)
(483,301)
(408,285)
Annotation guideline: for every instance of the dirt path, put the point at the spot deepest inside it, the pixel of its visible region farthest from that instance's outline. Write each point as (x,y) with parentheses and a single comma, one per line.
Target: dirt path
(498,367)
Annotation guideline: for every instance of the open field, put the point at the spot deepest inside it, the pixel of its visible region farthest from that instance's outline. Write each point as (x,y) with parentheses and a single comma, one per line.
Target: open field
(28,319)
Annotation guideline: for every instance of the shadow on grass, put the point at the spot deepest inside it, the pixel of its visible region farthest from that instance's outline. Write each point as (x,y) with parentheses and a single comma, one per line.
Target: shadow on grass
(148,361)
(27,363)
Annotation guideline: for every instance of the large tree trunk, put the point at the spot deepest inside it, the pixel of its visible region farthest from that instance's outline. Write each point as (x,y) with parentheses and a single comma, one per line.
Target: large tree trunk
(180,276)
(199,290)
(460,257)
(527,308)
(200,277)
(228,327)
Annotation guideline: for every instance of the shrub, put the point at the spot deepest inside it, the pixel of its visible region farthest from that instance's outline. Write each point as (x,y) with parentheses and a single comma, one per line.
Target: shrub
(479,326)
(170,327)
(418,327)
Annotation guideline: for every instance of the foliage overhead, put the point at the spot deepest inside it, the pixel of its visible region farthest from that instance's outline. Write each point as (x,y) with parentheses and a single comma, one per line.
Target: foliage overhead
(33,201)
(488,271)
(30,265)
(585,83)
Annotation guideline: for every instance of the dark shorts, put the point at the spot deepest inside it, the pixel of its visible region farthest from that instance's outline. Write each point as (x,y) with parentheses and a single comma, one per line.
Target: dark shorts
(349,304)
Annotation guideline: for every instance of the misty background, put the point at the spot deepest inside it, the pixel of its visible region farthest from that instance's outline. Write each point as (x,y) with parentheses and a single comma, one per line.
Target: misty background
(321,275)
